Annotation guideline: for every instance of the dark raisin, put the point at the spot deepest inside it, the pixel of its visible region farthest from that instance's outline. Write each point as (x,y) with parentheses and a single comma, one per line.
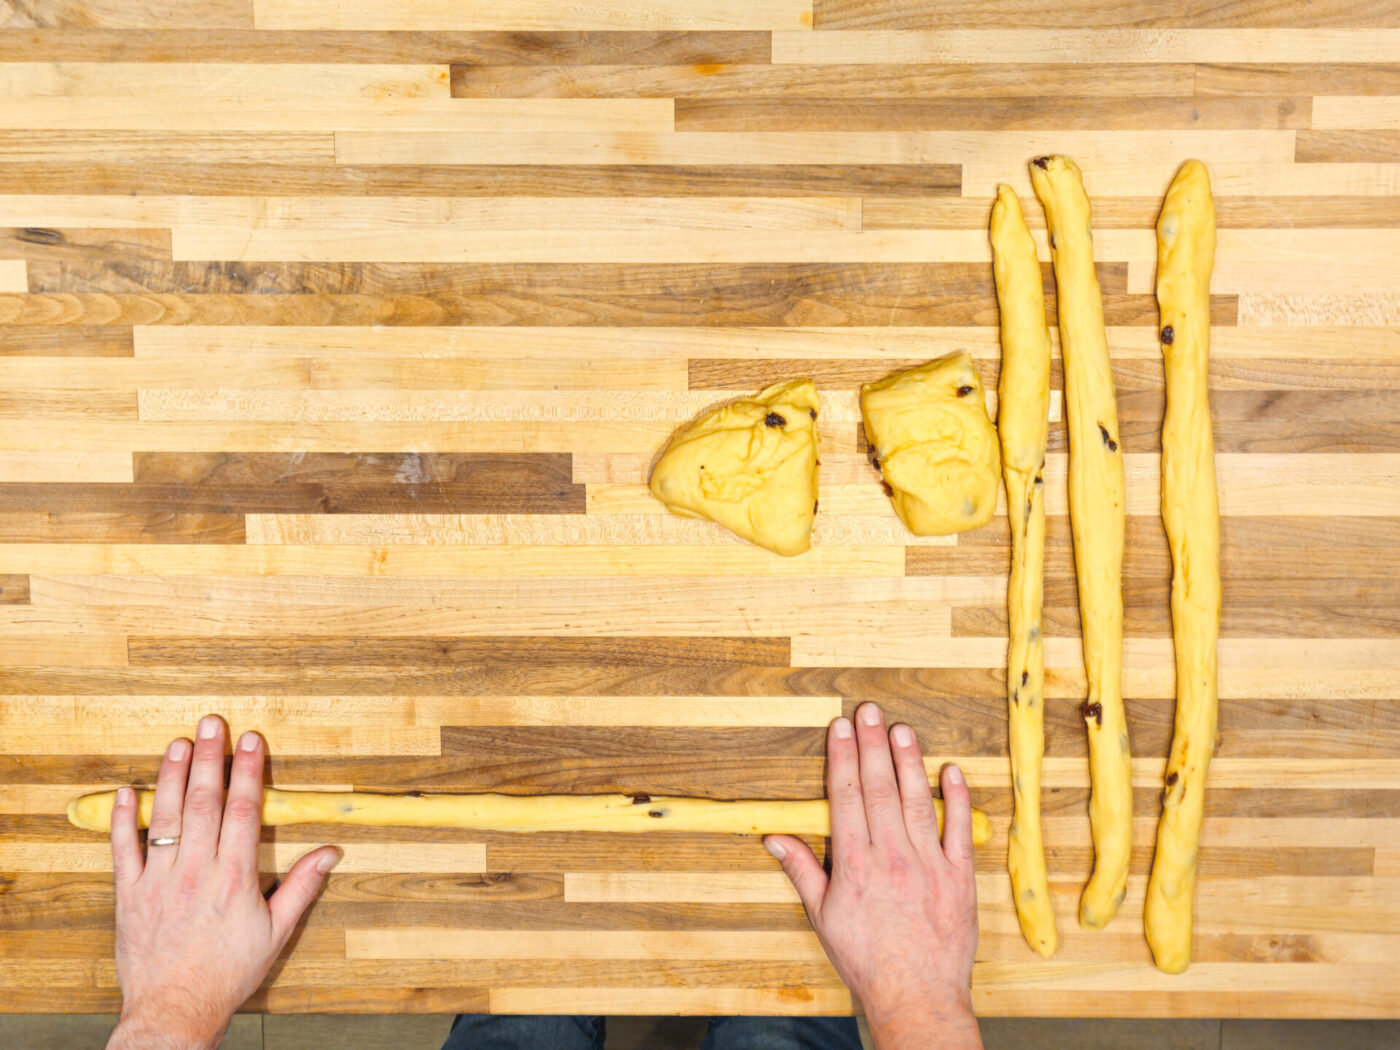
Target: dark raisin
(963,391)
(1171,779)
(1168,336)
(1015,696)
(1041,162)
(815,503)
(889,489)
(812,412)
(655,813)
(774,420)
(1112,445)
(1052,242)
(1094,711)
(413,794)
(640,800)
(1025,677)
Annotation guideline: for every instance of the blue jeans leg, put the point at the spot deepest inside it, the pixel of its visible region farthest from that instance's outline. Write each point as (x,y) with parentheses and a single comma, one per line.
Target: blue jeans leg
(782,1033)
(509,1032)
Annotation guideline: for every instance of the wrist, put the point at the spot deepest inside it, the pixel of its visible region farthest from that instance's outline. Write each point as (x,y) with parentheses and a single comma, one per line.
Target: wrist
(138,1031)
(914,1024)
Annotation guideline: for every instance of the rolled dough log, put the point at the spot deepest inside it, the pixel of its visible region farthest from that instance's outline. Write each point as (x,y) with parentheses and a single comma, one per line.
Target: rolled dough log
(1191,514)
(1023,421)
(489,812)
(1097,509)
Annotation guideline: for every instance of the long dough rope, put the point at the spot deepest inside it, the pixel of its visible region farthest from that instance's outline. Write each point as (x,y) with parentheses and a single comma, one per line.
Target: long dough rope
(1191,514)
(1096,513)
(1023,396)
(489,812)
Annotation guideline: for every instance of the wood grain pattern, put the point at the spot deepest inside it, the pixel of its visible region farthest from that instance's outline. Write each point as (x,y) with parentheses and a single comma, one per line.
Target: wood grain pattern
(337,340)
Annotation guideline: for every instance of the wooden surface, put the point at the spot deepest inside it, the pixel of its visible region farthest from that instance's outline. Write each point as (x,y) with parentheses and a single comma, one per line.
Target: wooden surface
(336,339)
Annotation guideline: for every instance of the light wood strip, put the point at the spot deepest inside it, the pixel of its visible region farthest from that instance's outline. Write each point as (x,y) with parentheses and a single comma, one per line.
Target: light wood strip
(454,943)
(1357,111)
(1006,151)
(1325,309)
(222,81)
(469,117)
(714,1000)
(117,14)
(95,855)
(272,559)
(19,467)
(151,739)
(14,276)
(1267,177)
(228,147)
(531,15)
(1096,45)
(386,214)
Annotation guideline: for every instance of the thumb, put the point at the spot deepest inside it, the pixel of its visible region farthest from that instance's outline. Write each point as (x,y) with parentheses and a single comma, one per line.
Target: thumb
(300,888)
(803,870)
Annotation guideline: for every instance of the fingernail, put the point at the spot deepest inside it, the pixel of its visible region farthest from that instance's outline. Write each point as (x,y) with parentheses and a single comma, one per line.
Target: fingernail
(208,727)
(843,728)
(954,774)
(124,796)
(177,750)
(248,742)
(328,860)
(903,736)
(869,714)
(775,847)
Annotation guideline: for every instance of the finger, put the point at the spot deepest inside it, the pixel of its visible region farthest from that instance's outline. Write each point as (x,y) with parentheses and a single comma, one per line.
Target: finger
(242,826)
(803,870)
(204,798)
(126,843)
(848,828)
(915,796)
(957,818)
(169,804)
(877,782)
(299,889)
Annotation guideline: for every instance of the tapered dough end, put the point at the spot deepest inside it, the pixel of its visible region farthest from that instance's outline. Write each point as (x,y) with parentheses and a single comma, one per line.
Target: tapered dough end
(92,812)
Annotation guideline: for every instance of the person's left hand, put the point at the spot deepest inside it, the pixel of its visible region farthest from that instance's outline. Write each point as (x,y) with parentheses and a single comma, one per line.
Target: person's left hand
(195,936)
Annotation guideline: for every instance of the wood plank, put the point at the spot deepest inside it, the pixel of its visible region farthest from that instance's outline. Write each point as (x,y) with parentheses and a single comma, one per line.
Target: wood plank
(69,341)
(913,14)
(113,14)
(14,589)
(532,15)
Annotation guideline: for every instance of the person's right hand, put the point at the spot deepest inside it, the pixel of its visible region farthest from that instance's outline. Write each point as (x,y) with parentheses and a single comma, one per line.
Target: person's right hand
(898,914)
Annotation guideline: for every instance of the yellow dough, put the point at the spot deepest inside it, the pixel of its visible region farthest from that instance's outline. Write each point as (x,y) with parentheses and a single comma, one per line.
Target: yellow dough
(1191,514)
(1023,415)
(1097,522)
(933,442)
(751,466)
(525,813)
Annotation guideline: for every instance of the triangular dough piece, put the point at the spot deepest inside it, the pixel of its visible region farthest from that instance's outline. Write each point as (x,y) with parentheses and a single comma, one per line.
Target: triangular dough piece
(933,442)
(751,466)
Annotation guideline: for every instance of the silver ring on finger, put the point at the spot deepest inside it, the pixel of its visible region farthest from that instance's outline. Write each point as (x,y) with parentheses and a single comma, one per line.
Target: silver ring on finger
(167,840)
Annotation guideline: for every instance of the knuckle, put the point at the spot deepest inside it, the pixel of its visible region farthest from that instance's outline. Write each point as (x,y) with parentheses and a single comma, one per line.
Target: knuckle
(881,791)
(243,810)
(201,804)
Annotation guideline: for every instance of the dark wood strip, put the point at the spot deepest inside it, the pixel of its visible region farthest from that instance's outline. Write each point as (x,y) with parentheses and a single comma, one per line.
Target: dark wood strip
(1152,619)
(1137,14)
(14,588)
(200,178)
(732,80)
(106,526)
(1129,213)
(1331,78)
(293,651)
(771,300)
(119,247)
(115,14)
(1362,374)
(1256,553)
(1347,147)
(207,42)
(68,341)
(439,281)
(332,483)
(1048,112)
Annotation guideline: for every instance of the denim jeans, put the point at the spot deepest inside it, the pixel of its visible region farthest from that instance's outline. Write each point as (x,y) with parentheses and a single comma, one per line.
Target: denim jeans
(508,1032)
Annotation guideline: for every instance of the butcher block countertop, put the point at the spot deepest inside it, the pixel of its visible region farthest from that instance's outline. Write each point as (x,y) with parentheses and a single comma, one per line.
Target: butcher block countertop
(337,338)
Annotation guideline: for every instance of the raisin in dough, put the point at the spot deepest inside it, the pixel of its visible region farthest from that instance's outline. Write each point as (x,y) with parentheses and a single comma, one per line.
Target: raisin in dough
(749,465)
(935,446)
